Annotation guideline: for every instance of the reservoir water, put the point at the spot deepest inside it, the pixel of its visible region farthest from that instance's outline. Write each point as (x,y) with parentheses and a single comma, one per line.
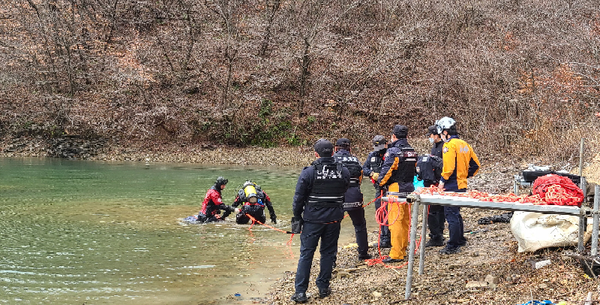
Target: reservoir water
(82,232)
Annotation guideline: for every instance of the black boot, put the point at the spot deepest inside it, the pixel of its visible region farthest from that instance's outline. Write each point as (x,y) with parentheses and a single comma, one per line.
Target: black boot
(434,243)
(385,243)
(299,297)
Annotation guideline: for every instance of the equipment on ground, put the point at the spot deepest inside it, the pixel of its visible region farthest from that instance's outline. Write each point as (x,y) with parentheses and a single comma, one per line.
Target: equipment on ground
(528,176)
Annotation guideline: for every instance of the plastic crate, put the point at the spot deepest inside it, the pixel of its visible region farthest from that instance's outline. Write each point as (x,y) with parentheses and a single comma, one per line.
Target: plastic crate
(530,176)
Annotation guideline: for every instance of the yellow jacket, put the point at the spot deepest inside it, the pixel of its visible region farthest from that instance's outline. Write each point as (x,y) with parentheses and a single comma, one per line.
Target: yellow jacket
(460,162)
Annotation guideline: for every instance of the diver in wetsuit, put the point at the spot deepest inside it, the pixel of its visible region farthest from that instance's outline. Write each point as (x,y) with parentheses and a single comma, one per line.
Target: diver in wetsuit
(253,200)
(213,203)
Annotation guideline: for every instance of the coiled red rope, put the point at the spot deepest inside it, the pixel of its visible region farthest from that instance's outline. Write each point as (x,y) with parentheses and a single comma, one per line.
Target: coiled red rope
(557,190)
(381,216)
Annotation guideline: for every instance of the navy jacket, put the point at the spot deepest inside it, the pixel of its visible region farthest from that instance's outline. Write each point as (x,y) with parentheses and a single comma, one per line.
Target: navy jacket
(390,165)
(353,194)
(436,150)
(303,190)
(368,165)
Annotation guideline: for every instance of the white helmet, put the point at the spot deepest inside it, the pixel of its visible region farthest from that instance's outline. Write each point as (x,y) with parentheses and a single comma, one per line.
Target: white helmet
(444,123)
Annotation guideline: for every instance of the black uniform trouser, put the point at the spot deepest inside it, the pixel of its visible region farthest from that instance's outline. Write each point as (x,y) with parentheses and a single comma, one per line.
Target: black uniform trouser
(360,229)
(435,219)
(384,237)
(309,239)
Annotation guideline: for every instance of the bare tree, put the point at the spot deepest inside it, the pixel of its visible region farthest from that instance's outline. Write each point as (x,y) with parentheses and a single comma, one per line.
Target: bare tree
(230,13)
(308,19)
(271,9)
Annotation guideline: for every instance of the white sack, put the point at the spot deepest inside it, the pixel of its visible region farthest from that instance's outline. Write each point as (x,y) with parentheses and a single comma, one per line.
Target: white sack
(535,231)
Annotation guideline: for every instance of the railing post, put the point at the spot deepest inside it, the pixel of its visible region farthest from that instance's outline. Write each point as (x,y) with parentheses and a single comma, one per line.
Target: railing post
(595,222)
(411,253)
(581,157)
(423,239)
(582,217)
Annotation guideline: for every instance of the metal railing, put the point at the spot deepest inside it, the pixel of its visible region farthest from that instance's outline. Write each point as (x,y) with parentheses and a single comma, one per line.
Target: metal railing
(426,200)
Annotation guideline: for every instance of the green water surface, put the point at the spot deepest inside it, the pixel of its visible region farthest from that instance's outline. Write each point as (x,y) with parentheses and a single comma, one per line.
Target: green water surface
(79,232)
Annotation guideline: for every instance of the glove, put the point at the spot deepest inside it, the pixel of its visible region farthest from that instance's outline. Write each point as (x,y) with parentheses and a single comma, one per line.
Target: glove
(274,220)
(375,176)
(237,211)
(297,223)
(228,211)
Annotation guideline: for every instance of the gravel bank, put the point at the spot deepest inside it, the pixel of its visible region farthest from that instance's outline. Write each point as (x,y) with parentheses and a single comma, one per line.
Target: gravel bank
(489,270)
(75,148)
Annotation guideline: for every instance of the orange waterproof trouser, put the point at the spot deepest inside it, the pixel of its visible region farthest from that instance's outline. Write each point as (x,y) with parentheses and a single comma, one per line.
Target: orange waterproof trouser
(398,218)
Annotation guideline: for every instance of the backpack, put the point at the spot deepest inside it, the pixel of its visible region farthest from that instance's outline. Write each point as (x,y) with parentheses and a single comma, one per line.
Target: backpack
(429,167)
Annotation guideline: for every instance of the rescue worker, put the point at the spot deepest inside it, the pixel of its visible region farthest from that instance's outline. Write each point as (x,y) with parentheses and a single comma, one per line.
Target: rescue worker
(460,163)
(372,168)
(253,200)
(319,207)
(353,199)
(429,169)
(213,203)
(435,140)
(397,175)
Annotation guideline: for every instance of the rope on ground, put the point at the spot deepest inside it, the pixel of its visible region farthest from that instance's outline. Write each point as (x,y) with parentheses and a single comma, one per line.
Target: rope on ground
(379,261)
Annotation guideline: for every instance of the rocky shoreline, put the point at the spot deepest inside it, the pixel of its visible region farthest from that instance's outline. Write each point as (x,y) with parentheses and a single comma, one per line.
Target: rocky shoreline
(489,270)
(76,148)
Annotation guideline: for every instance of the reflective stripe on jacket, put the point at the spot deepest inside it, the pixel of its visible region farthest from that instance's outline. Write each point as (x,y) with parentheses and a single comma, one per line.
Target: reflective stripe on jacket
(304,190)
(399,165)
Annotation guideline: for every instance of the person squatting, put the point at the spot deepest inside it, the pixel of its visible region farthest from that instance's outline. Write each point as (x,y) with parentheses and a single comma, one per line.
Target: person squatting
(253,201)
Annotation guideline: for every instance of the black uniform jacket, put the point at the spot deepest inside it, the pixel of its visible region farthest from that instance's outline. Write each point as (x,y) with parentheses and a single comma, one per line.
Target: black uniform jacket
(304,186)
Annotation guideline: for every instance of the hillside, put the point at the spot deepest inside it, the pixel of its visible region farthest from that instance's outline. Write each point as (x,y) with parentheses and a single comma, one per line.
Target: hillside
(520,77)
